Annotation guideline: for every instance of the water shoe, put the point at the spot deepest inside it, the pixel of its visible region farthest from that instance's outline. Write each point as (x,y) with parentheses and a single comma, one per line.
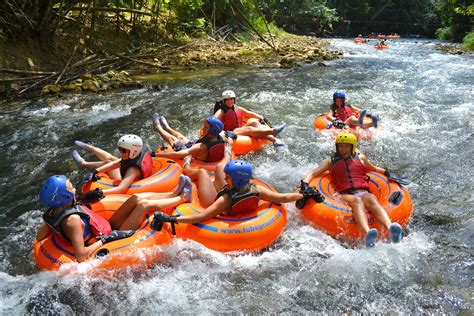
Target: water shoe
(396,233)
(371,238)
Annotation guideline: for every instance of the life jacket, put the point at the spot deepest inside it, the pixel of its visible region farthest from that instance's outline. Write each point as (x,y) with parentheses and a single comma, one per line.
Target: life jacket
(215,148)
(99,226)
(242,202)
(342,113)
(232,118)
(143,161)
(348,174)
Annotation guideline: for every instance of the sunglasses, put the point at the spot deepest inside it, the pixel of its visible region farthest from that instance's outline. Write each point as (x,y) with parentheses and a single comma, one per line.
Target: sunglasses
(123,150)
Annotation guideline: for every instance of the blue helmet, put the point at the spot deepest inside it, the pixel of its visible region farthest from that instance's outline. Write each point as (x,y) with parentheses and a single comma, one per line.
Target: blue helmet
(54,193)
(216,126)
(240,171)
(339,94)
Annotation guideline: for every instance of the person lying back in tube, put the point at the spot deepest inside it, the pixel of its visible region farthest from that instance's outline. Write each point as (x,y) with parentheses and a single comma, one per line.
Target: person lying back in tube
(208,148)
(135,163)
(348,169)
(232,116)
(72,221)
(236,195)
(343,114)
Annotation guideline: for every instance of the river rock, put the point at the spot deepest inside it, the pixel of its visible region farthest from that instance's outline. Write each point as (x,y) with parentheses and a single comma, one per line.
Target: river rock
(91,85)
(51,88)
(72,87)
(88,77)
(288,62)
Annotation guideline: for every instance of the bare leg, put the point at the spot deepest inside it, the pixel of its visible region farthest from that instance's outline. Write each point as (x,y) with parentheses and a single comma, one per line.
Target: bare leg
(137,216)
(206,191)
(255,129)
(103,155)
(358,210)
(177,134)
(219,179)
(129,205)
(354,121)
(371,203)
(187,170)
(167,137)
(100,153)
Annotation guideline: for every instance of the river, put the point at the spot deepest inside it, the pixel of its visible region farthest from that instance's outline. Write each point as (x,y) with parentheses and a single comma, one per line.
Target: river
(425,99)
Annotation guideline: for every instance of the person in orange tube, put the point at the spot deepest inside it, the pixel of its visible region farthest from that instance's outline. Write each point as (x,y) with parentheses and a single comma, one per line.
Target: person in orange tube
(342,114)
(77,224)
(235,194)
(135,163)
(232,116)
(348,169)
(208,148)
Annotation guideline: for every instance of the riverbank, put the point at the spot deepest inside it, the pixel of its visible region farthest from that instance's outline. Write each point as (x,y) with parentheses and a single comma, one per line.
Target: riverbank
(99,72)
(453,48)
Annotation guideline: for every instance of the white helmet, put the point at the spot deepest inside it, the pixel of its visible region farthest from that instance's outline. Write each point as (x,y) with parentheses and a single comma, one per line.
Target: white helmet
(228,94)
(131,142)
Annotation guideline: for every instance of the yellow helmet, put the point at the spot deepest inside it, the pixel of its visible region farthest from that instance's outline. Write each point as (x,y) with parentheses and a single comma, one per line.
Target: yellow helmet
(347,138)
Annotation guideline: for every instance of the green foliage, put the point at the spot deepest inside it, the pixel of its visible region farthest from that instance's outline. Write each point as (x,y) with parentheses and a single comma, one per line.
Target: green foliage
(468,41)
(445,33)
(245,38)
(457,15)
(247,52)
(301,15)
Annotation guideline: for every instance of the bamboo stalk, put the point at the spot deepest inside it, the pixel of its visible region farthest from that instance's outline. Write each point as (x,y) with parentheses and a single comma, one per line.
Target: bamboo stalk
(116,10)
(27,72)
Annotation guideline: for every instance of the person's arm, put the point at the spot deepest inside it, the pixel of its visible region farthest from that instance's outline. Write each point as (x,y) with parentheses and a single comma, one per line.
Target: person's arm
(194,151)
(356,109)
(43,232)
(324,166)
(369,166)
(72,228)
(331,115)
(276,197)
(216,208)
(220,115)
(109,166)
(250,114)
(130,176)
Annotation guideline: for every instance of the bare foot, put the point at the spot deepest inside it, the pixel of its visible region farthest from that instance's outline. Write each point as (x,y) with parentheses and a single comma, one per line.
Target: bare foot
(156,121)
(187,161)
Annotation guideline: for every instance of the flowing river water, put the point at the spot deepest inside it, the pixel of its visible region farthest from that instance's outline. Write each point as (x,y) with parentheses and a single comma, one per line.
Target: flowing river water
(425,99)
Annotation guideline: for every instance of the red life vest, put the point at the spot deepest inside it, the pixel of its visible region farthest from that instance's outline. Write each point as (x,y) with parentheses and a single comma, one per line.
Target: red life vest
(143,161)
(342,113)
(99,225)
(232,118)
(215,148)
(242,202)
(348,174)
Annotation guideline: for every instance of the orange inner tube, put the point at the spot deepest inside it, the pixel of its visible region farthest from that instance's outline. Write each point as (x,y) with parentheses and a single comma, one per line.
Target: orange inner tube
(138,251)
(250,231)
(335,217)
(165,178)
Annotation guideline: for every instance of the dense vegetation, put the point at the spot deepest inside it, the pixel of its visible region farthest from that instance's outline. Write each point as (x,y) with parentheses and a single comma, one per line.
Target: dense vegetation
(157,20)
